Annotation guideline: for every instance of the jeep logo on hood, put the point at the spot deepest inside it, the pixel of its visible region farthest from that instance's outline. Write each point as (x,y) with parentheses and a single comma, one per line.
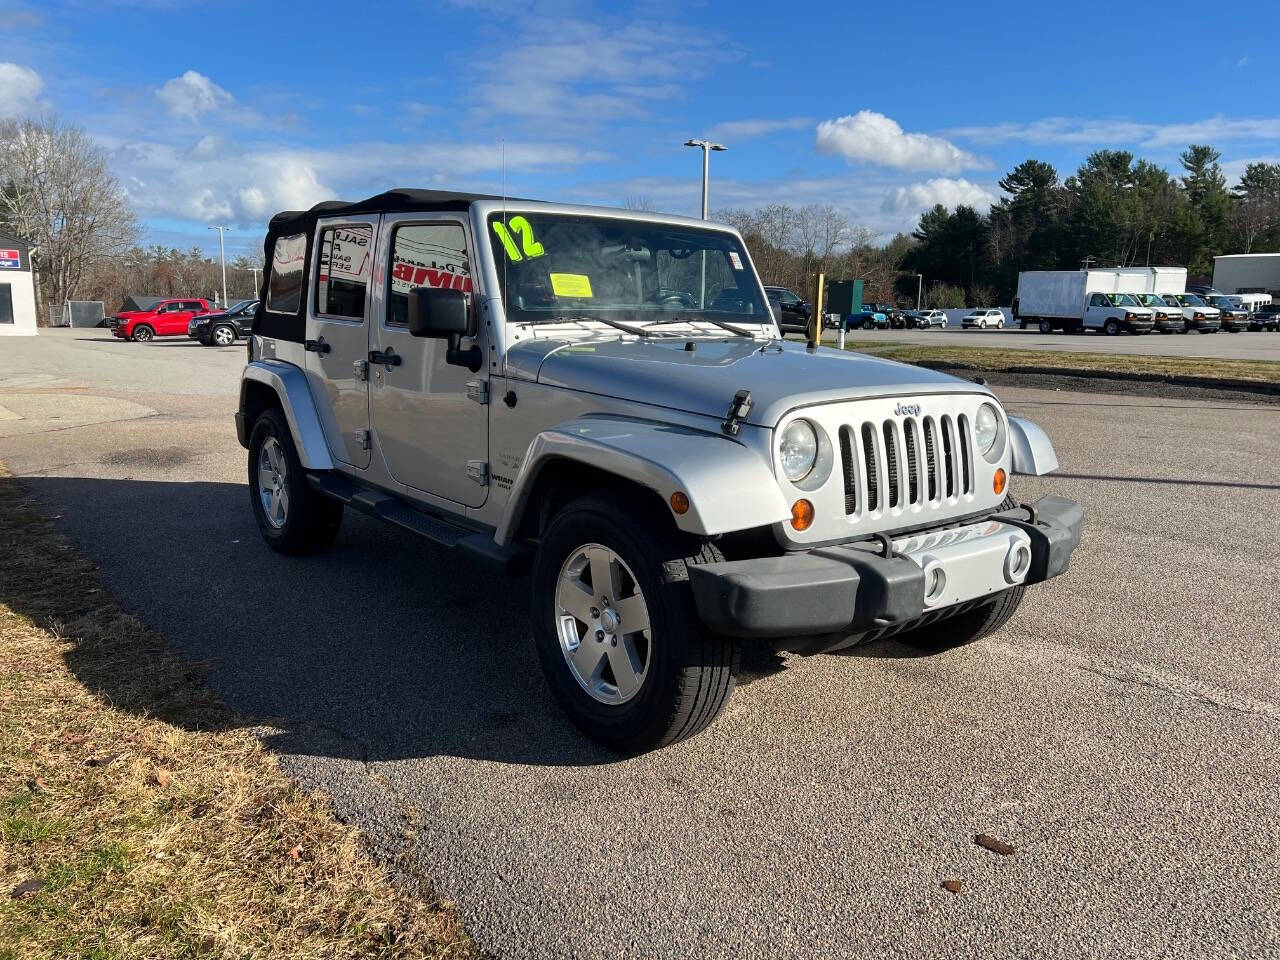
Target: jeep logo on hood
(907,409)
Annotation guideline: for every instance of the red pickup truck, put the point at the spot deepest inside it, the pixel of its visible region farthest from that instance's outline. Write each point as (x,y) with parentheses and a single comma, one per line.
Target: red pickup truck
(168,318)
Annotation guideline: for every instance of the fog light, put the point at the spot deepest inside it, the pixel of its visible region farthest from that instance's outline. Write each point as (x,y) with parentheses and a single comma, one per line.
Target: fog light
(999,480)
(1017,562)
(935,582)
(802,515)
(680,503)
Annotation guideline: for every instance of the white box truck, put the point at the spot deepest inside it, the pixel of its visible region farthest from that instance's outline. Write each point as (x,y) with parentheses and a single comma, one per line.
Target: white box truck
(1078,300)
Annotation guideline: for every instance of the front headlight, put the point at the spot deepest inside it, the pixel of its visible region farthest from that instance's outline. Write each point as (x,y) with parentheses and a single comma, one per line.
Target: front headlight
(798,450)
(986,428)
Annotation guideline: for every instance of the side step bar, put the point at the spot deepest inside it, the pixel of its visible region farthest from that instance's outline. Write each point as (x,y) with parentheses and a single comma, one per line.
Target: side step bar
(514,559)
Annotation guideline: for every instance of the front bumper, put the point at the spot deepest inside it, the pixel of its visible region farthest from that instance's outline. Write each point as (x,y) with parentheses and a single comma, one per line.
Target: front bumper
(1139,326)
(852,590)
(121,331)
(1235,324)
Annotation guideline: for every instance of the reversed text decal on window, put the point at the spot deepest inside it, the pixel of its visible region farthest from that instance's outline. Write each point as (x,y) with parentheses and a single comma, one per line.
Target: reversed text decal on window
(529,247)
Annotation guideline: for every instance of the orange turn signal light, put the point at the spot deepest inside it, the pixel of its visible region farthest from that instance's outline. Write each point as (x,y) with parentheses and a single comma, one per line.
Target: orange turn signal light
(999,480)
(680,503)
(802,515)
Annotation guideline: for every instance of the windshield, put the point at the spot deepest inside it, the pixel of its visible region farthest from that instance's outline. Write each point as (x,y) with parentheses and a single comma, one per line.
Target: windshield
(1189,300)
(1122,300)
(1223,302)
(568,265)
(237,307)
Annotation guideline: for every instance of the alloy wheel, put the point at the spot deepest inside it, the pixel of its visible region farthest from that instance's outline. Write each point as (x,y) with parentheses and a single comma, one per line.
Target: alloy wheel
(224,336)
(603,624)
(273,476)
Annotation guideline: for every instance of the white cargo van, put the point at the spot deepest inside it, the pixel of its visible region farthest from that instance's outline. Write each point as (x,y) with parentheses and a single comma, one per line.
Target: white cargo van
(1079,300)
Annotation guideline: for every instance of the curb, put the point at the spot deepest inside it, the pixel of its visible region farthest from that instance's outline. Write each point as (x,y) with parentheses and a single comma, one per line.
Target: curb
(1206,383)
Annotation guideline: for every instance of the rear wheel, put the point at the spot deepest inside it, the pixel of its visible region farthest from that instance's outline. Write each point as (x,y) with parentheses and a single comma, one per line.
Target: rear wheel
(616,630)
(292,517)
(1046,326)
(143,334)
(868,325)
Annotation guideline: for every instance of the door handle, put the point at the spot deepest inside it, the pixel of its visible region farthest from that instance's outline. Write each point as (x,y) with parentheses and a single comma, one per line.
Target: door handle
(388,358)
(317,346)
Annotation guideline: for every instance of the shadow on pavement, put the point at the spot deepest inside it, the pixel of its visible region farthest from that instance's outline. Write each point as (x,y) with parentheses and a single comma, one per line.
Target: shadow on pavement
(383,648)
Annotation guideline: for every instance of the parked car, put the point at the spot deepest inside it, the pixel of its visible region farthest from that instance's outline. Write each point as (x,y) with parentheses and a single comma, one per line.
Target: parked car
(1166,312)
(1080,300)
(1235,318)
(794,311)
(1267,317)
(866,319)
(168,318)
(223,328)
(982,319)
(928,319)
(1200,290)
(897,318)
(676,481)
(1196,314)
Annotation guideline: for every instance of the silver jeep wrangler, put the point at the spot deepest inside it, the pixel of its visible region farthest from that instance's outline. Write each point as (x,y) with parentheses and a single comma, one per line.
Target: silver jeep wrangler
(601,399)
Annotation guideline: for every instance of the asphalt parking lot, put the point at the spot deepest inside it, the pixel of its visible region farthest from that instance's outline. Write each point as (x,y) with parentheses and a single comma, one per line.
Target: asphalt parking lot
(1121,733)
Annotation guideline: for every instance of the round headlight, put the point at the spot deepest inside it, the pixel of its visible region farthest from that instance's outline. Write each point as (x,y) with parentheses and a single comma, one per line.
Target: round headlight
(798,450)
(986,428)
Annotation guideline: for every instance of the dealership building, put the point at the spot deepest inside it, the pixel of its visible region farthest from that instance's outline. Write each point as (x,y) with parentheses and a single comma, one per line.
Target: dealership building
(1248,273)
(17,288)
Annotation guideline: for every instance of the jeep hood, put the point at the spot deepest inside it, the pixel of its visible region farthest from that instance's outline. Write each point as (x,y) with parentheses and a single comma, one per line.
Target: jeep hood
(781,375)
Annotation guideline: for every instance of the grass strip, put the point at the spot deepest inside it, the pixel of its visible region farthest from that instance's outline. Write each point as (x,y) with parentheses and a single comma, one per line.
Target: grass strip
(155,824)
(1037,361)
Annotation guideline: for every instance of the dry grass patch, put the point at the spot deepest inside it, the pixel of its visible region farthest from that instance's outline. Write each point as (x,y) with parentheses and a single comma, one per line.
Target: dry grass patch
(155,825)
(988,358)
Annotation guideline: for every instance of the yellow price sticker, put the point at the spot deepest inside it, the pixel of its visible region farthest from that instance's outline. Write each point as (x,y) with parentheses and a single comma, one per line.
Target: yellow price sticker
(574,285)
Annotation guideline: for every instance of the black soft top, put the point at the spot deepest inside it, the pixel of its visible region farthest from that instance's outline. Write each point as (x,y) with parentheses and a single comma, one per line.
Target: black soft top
(292,222)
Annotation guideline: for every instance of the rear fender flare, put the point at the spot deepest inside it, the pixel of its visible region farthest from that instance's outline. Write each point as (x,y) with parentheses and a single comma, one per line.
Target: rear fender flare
(290,386)
(729,486)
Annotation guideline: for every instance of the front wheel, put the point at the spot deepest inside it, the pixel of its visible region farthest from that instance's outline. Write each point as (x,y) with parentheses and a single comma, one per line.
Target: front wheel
(223,336)
(143,334)
(292,517)
(616,630)
(868,325)
(1111,328)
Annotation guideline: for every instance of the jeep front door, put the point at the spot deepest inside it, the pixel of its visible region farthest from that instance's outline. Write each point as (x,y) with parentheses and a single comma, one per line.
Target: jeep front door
(338,334)
(427,415)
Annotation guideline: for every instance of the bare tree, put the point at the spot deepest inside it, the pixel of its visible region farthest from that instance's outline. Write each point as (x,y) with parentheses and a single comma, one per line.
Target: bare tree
(640,202)
(59,194)
(820,232)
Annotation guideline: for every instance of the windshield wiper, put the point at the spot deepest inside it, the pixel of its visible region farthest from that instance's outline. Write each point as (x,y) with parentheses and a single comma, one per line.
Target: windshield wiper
(616,324)
(711,320)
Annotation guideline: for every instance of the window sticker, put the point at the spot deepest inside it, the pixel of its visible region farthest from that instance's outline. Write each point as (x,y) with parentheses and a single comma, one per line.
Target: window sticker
(573,285)
(529,249)
(735,259)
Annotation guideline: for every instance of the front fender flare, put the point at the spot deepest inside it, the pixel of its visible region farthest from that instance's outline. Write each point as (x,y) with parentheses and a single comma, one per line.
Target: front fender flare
(729,486)
(1033,454)
(290,385)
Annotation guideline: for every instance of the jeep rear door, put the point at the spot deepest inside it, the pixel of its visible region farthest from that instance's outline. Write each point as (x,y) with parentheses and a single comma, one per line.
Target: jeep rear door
(337,337)
(432,430)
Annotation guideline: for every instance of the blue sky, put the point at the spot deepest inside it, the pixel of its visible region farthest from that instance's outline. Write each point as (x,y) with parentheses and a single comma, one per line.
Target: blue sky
(229,112)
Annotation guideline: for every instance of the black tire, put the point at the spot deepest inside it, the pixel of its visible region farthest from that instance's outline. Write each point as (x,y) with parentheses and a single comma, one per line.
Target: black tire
(311,520)
(868,325)
(1111,328)
(227,332)
(143,333)
(690,671)
(1045,326)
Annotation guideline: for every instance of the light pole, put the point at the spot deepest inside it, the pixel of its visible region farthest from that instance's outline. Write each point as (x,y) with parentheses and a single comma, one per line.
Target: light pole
(256,271)
(707,146)
(222,249)
(919,289)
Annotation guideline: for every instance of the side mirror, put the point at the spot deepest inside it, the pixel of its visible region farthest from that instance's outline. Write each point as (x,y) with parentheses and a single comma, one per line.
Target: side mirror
(439,313)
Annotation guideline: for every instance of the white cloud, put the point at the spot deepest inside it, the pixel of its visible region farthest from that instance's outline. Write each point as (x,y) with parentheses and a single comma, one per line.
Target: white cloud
(1122,132)
(192,94)
(19,88)
(918,197)
(749,129)
(871,137)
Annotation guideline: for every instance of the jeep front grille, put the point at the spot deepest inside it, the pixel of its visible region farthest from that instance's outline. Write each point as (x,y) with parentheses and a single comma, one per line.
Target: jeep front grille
(935,452)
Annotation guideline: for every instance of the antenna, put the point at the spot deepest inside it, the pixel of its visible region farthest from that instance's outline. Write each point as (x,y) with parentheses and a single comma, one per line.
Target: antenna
(505,259)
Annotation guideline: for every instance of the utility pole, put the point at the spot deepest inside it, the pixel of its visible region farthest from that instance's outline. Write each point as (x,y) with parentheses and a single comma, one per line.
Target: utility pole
(222,249)
(707,146)
(919,289)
